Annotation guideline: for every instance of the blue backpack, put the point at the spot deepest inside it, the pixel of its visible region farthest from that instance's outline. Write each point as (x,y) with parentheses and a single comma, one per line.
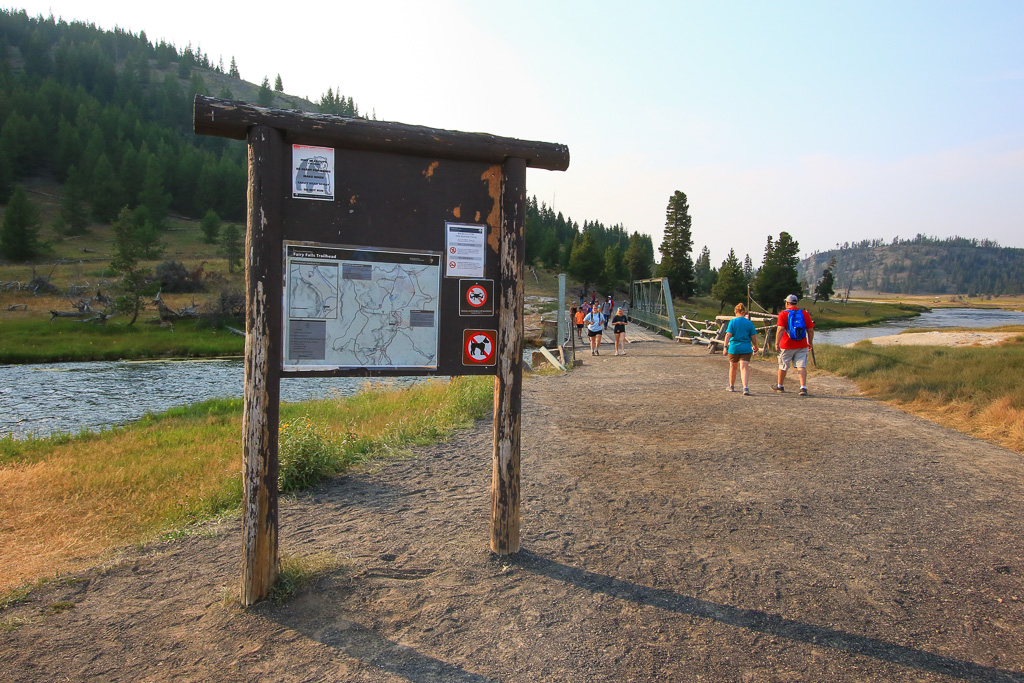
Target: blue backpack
(796,325)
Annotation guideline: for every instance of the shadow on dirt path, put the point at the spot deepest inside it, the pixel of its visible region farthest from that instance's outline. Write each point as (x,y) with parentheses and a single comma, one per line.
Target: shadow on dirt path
(762,622)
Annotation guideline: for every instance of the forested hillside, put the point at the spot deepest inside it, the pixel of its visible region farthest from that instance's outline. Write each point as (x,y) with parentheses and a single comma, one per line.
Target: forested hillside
(922,265)
(606,258)
(109,115)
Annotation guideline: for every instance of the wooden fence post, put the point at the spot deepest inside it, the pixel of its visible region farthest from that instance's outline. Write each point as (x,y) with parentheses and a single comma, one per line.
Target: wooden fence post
(262,363)
(508,383)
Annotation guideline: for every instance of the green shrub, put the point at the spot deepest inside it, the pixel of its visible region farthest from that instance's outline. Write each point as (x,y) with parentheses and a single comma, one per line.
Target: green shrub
(307,454)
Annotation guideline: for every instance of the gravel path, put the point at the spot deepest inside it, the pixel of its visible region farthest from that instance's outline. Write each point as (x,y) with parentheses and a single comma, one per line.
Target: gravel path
(671,532)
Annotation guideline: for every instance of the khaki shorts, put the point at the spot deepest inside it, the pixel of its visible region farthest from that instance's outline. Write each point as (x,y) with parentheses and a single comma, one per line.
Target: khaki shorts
(795,357)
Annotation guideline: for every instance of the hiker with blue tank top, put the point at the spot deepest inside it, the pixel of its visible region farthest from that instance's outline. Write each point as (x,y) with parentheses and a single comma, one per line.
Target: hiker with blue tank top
(595,326)
(794,335)
(740,345)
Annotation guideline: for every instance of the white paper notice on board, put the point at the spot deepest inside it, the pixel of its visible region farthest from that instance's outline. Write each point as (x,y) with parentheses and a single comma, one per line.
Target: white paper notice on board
(312,172)
(464,249)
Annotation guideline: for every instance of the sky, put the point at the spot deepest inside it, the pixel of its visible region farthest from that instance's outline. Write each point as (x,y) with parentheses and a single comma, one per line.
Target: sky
(833,121)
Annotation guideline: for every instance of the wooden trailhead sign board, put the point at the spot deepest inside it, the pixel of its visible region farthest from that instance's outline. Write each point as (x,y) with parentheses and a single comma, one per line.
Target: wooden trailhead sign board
(376,249)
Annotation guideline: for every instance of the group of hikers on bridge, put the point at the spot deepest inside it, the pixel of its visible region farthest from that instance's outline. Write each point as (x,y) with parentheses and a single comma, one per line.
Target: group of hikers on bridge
(596,317)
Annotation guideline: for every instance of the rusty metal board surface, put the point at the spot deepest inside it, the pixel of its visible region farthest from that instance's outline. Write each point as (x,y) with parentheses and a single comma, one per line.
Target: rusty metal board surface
(366,210)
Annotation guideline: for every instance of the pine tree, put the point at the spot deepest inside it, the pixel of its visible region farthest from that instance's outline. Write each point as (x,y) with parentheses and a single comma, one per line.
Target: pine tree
(748,269)
(585,262)
(233,69)
(210,227)
(129,249)
(106,194)
(676,246)
(639,256)
(550,249)
(131,174)
(824,289)
(19,233)
(731,287)
(152,196)
(612,274)
(232,247)
(703,274)
(6,176)
(265,96)
(278,84)
(777,277)
(73,213)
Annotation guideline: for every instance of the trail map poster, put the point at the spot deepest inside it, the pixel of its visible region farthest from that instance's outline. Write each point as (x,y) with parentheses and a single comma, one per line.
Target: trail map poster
(359,307)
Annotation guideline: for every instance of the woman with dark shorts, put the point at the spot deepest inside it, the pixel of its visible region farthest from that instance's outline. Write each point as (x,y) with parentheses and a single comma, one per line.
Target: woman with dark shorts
(595,325)
(619,328)
(740,345)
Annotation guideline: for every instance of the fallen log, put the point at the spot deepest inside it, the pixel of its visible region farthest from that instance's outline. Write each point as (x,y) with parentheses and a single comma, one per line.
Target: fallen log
(70,314)
(168,314)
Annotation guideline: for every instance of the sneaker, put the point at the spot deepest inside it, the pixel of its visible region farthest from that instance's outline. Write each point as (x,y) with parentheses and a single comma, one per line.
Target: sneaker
(731,388)
(746,391)
(803,391)
(776,387)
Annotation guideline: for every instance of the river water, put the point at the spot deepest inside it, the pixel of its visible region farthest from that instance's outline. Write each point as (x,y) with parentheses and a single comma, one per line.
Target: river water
(68,397)
(935,319)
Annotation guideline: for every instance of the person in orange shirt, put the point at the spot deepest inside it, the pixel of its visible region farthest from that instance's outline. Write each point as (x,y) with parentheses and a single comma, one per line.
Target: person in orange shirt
(579,322)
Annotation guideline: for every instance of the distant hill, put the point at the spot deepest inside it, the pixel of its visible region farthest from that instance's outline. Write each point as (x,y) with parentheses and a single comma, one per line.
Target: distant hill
(921,265)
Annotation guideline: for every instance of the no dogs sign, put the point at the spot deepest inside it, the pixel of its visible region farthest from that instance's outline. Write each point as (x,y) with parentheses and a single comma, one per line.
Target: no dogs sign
(478,347)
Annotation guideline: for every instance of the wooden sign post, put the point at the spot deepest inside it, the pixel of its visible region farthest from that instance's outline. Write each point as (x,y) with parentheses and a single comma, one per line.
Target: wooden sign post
(333,203)
(508,383)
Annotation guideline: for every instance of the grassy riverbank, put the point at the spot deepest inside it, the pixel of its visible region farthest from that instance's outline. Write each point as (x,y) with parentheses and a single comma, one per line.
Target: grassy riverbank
(28,335)
(76,268)
(826,314)
(68,500)
(976,390)
(41,341)
(38,340)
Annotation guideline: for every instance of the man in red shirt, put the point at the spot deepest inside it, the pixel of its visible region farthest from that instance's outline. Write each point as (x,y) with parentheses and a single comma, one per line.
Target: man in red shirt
(793,352)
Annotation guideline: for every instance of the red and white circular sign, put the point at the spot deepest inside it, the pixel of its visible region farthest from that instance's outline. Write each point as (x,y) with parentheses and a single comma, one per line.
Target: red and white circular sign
(480,347)
(476,296)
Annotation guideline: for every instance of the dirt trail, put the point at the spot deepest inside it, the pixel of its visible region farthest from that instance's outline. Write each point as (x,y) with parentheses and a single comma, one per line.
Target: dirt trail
(671,532)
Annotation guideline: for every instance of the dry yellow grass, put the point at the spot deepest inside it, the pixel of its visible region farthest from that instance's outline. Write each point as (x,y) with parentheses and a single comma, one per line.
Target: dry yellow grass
(1012,301)
(24,306)
(66,505)
(998,422)
(71,507)
(973,389)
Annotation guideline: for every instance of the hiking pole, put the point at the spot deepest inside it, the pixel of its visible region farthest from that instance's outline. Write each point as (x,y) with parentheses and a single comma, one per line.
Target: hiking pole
(813,359)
